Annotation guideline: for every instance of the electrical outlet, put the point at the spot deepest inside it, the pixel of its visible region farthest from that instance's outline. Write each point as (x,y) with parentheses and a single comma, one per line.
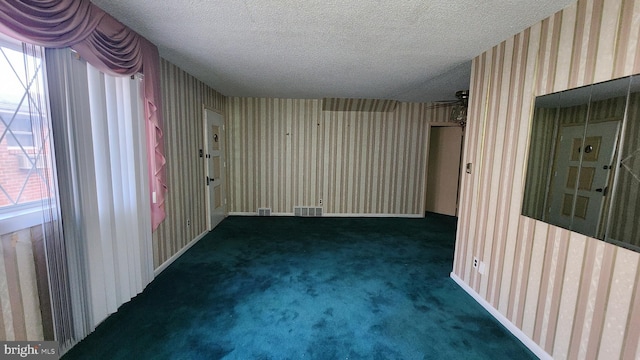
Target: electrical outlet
(475,262)
(320,201)
(188,222)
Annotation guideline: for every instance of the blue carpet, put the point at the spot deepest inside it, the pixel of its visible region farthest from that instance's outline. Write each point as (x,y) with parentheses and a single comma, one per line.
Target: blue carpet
(312,288)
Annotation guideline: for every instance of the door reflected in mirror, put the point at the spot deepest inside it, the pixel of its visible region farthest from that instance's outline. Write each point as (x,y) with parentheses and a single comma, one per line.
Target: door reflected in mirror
(584,160)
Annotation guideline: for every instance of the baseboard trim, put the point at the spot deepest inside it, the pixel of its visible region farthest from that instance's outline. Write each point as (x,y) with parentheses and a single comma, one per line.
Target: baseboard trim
(335,215)
(412,216)
(256,214)
(175,256)
(526,340)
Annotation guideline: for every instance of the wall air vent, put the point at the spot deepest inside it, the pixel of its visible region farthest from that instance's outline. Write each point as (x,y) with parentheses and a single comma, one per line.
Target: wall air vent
(264,211)
(307,211)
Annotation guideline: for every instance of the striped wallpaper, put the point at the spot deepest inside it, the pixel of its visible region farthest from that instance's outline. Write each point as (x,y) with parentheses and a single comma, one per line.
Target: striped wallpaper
(183,97)
(574,296)
(538,163)
(626,206)
(289,152)
(342,104)
(24,310)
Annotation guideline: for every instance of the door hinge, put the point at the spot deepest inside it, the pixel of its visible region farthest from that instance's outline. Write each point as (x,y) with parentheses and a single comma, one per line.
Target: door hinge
(208,180)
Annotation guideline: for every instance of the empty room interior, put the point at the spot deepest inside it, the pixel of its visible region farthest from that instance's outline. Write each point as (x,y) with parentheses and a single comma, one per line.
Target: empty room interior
(282,180)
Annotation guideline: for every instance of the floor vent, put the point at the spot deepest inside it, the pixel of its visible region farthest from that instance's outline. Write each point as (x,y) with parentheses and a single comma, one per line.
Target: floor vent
(264,211)
(307,211)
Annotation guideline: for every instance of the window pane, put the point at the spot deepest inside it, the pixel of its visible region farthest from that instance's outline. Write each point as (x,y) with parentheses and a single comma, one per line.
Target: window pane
(21,133)
(7,167)
(24,175)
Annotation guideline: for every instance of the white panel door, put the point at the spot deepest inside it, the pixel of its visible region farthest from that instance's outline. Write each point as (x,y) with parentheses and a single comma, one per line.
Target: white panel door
(215,168)
(583,161)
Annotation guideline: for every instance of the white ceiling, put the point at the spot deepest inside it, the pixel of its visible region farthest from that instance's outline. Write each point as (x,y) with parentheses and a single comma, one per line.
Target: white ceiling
(409,50)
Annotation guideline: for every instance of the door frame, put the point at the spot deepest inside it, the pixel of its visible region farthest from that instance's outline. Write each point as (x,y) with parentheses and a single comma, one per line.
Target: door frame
(426,168)
(206,170)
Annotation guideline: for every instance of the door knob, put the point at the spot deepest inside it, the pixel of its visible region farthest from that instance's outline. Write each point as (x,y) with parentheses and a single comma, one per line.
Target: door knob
(603,191)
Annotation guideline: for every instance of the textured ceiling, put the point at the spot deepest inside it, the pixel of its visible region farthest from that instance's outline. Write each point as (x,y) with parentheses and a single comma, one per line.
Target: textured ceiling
(409,50)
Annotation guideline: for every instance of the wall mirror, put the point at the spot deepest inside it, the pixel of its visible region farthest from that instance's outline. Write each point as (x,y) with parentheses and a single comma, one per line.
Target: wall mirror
(583,169)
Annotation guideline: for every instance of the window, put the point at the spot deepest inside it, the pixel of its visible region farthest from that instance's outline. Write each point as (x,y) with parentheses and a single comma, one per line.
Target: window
(24,173)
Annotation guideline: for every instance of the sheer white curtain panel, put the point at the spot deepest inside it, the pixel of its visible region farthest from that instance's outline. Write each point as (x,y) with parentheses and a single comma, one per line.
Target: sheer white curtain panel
(99,134)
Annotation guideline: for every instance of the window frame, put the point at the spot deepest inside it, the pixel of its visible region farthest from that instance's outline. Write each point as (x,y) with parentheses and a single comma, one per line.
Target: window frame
(21,216)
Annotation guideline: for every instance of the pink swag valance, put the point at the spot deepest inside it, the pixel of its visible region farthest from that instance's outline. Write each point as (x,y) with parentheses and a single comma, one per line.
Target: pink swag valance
(109,46)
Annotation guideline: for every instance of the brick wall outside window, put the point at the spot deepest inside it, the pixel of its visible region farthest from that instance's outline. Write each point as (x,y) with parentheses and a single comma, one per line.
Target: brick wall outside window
(12,177)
